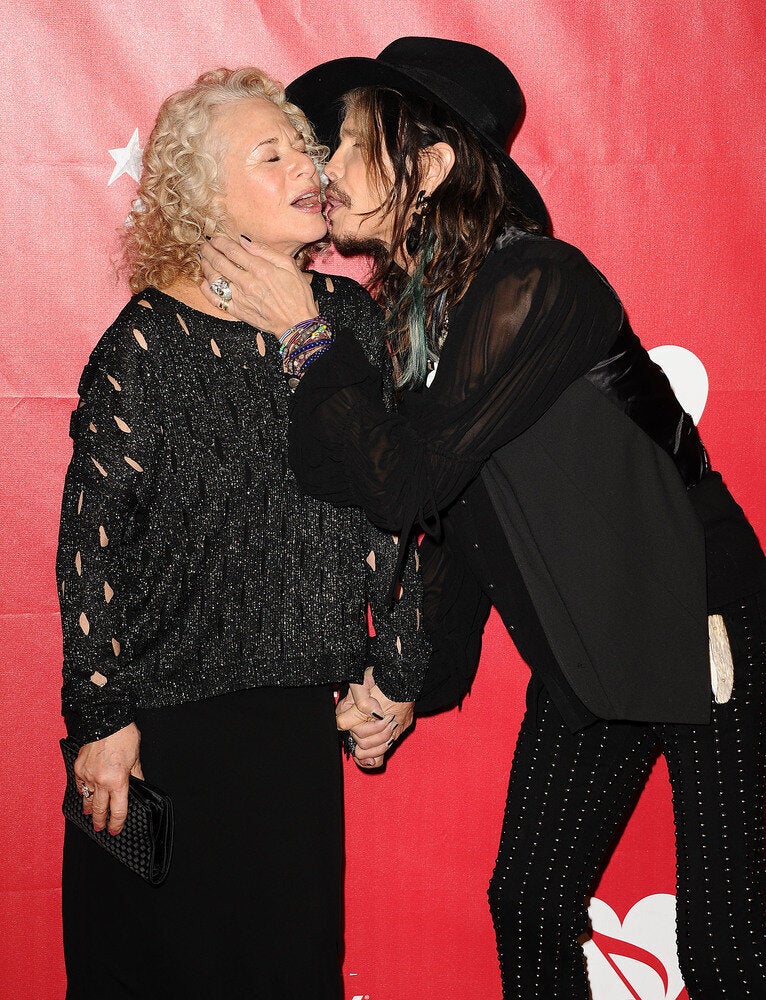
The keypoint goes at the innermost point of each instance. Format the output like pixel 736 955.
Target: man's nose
pixel 333 168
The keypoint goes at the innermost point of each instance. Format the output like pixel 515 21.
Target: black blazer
pixel 613 555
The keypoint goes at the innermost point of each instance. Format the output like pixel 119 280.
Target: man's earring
pixel 415 232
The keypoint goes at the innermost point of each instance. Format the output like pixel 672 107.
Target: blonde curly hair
pixel 176 203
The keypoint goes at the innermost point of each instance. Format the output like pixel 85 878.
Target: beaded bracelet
pixel 304 348
pixel 315 356
pixel 293 380
pixel 299 359
pixel 302 333
pixel 301 345
pixel 303 325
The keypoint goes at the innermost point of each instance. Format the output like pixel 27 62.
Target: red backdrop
pixel 644 132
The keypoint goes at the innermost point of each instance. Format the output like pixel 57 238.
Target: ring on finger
pixel 222 289
pixel 86 792
pixel 351 745
pixel 224 304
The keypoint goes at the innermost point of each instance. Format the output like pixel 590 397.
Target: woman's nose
pixel 304 165
pixel 305 162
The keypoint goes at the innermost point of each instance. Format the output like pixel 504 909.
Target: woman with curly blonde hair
pixel 209 610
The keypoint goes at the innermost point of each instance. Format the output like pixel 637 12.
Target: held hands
pixel 268 289
pixel 104 767
pixel 373 720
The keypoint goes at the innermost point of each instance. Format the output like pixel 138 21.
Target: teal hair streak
pixel 415 366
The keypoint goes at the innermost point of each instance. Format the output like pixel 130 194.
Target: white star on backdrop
pixel 127 160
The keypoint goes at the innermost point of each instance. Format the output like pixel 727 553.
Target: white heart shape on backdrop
pixel 687 377
pixel 635 959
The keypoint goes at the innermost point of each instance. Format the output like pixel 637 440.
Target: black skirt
pixel 252 905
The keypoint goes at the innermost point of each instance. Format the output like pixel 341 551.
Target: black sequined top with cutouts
pixel 189 563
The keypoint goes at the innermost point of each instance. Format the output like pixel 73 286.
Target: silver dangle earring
pixel 414 236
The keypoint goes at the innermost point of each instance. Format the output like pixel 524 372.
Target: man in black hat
pixel 557 477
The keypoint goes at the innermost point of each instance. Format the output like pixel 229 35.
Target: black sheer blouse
pixel 532 322
pixel 536 317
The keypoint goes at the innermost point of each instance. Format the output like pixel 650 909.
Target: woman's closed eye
pixel 298 147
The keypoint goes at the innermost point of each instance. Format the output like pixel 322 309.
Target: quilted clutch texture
pixel 145 842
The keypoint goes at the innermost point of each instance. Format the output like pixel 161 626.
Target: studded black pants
pixel 570 794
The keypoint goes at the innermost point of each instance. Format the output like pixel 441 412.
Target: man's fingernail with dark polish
pixel 243 237
pixel 376 716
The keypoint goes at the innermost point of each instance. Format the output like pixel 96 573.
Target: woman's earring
pixel 415 232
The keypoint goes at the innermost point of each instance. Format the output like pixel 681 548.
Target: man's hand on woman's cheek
pixel 268 289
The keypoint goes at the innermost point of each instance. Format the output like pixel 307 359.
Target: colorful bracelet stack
pixel 301 345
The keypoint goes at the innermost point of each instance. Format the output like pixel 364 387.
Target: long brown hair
pixel 466 213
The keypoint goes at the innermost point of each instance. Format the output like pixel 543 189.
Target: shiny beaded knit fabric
pixel 189 565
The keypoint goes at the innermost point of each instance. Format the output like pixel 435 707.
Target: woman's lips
pixel 309 202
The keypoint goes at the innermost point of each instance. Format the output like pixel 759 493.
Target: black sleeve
pixel 455 611
pixel 351 308
pixel 116 431
pixel 528 327
pixel 400 649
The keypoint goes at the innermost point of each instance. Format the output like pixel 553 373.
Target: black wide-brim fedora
pixel 465 79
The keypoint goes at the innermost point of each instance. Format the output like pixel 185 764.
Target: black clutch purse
pixel 145 842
